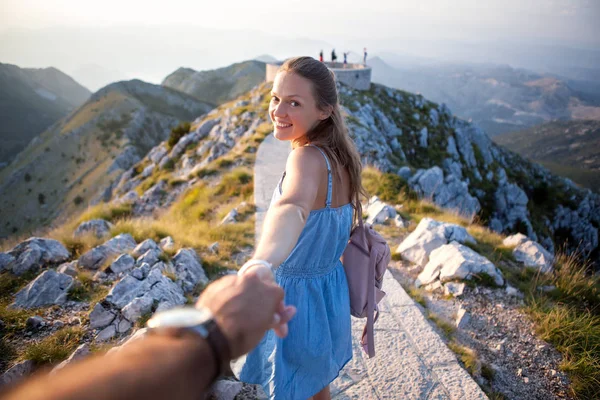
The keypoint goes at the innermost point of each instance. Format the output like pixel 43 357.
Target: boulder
pixel 122 264
pixel 454 261
pixel 530 253
pixel 34 253
pixel 143 247
pixel 17 372
pixel 99 227
pixel 6 262
pixel 35 322
pixel 157 286
pixel 106 334
pixel 378 211
pixel 150 257
pixel 428 236
pixel 188 269
pixel 137 307
pixel 462 318
pixel 49 288
pixel 69 268
pixel 167 243
pixel 230 218
pixel 515 240
pixel 96 257
pixel 454 288
pixel 101 317
pixel 80 353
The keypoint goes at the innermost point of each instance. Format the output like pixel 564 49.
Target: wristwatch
pixel 196 321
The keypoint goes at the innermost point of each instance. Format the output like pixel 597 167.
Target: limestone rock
pixel 230 218
pixel 17 372
pixel 34 253
pixel 143 247
pixel 6 262
pixel 124 263
pixel 94 258
pixel 68 269
pixel 530 253
pixel 188 269
pixel 80 353
pixel 137 307
pixel 35 322
pixel 379 212
pixel 167 243
pixel 454 261
pixel 150 257
pixel 448 192
pixel 428 236
pixel 50 287
pixel 99 227
pixel 462 318
pixel 455 289
pixel 101 317
pixel 106 334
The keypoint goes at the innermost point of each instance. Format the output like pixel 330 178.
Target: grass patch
pixel 576 335
pixel 467 356
pixel 446 327
pixel 55 348
pixel 141 322
pixel 85 289
pixel 416 294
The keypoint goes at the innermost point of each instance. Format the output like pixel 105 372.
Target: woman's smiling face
pixel 293 108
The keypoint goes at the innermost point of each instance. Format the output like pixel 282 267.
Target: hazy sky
pixel 568 21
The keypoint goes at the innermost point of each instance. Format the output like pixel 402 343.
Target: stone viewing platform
pixel 357 76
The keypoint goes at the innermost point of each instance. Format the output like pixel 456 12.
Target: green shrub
pixel 177 133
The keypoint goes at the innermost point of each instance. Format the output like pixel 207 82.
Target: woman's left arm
pixel 287 217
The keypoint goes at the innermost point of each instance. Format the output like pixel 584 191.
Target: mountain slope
pixel 220 85
pixel 498 98
pixel 567 148
pixel 439 157
pixel 30 101
pixel 63 169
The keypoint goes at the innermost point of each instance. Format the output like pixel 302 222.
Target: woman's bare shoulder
pixel 307 159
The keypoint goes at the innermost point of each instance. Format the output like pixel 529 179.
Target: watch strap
pixel 219 346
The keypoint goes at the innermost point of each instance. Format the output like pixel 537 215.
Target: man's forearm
pixel 157 367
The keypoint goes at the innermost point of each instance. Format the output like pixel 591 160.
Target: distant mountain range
pixel 63 169
pixel 30 101
pixel 219 85
pixel 567 148
pixel 498 98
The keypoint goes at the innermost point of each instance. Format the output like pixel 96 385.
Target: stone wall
pixel 357 76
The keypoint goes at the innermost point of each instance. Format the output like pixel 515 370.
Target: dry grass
pixel 55 348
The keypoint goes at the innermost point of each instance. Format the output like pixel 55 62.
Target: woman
pixel 305 232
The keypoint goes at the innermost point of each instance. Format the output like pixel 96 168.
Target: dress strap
pixel 329 181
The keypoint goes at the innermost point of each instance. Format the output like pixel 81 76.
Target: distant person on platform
pixel 345 59
pixel 365 56
pixel 321 56
pixel 333 56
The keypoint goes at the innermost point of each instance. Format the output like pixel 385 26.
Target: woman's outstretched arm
pixel 286 218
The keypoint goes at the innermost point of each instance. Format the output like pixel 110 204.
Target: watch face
pixel 180 317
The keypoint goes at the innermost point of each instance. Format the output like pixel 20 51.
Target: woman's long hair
pixel 330 134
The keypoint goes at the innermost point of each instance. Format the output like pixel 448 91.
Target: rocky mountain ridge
pixel 32 100
pixel 63 168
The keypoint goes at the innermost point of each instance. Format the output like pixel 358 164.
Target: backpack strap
pixel 371 318
pixel 329 180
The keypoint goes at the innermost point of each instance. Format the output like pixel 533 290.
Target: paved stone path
pixel 411 361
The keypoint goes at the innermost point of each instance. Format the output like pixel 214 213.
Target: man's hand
pixel 245 307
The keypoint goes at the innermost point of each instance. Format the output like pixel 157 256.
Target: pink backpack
pixel 365 260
